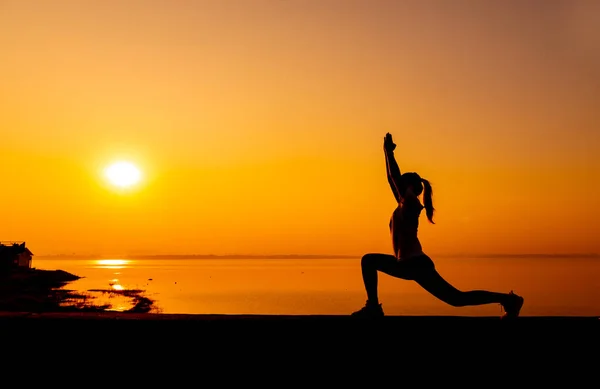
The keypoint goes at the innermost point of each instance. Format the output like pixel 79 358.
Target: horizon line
pixel 315 256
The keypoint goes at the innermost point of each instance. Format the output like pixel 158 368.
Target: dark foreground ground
pixel 322 350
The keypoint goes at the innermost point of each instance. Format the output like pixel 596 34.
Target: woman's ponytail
pixel 427 200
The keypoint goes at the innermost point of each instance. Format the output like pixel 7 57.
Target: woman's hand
pixel 388 143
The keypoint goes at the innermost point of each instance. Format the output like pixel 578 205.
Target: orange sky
pixel 258 125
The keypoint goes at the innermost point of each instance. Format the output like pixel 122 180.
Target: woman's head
pixel 413 181
pixel 419 185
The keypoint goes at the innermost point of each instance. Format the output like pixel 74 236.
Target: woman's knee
pixel 437 286
pixel 369 261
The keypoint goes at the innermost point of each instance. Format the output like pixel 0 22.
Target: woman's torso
pixel 404 225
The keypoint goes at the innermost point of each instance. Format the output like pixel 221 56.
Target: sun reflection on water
pixel 111 263
pixel 114 284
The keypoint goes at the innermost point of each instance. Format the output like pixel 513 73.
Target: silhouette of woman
pixel 409 262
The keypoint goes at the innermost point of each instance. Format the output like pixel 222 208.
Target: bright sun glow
pixel 123 174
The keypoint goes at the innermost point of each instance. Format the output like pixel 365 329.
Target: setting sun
pixel 123 174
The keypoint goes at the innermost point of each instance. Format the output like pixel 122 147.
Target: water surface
pixel 551 286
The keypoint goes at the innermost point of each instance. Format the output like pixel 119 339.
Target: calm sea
pixel 551 286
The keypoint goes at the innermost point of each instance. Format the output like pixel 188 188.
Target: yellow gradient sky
pixel 258 125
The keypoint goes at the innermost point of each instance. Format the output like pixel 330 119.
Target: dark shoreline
pixel 444 328
pixel 41 290
pixel 321 351
pixel 321 340
pixel 317 319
